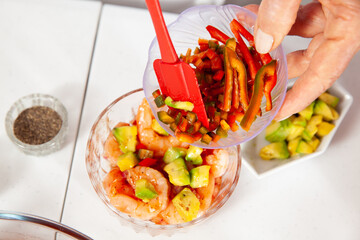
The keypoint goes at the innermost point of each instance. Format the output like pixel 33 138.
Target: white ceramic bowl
pixel 185 32
pixel 261 168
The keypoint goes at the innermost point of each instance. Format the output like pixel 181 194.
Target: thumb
pixel 275 19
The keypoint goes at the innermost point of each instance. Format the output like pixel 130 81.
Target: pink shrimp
pixel 135 207
pixel 218 161
pixel 111 147
pixel 168 216
pixel 205 194
pixel 147 136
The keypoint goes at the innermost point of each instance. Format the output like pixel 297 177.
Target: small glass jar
pixel 27 102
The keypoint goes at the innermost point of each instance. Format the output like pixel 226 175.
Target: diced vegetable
pixel 186 204
pixel 199 176
pixel 127 160
pixel 145 153
pixel 145 190
pixel 126 136
pixel 178 173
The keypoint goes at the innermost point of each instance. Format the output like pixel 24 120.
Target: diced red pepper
pixel 218 76
pixel 216 138
pixel 185 137
pixel 216 63
pixel 147 162
pixel 207 64
pixel 211 53
pixel 140 146
pixel 203 41
pixel 183 125
pixel 156 93
pixel 255 102
pixel 204 47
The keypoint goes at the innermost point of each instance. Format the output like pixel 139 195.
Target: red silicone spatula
pixel 176 78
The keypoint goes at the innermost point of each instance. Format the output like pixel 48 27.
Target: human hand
pixel 333 26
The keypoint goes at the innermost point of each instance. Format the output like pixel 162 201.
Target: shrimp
pixel 147 136
pixel 168 216
pixel 218 161
pixel 111 147
pixel 205 194
pixel 135 207
pixel 216 187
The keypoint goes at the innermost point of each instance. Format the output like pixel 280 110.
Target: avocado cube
pixel 308 111
pixel 145 190
pixel 324 128
pixel 173 153
pixel 329 99
pixel 186 204
pixel 184 105
pixel 275 150
pixel 292 146
pixel 321 108
pixel 304 148
pixel 127 160
pixel 193 155
pixel 157 128
pixel 126 137
pixel 178 173
pixel 300 120
pixel 277 131
pixel 199 176
pixel 295 131
pixel 314 143
pixel 311 127
pixel 335 114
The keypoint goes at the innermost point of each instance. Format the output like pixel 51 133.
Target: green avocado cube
pixel 311 128
pixel 157 128
pixel 127 160
pixel 173 153
pixel 308 111
pixel 329 99
pixel 294 132
pixel 275 150
pixel 292 146
pixel 278 131
pixel 193 155
pixel 324 128
pixel 178 173
pixel 321 108
pixel 300 120
pixel 186 204
pixel 145 190
pixel 304 148
pixel 199 176
pixel 187 106
pixel 126 136
pixel 314 143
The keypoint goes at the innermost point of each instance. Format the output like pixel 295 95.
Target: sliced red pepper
pixel 235 94
pixel 256 57
pixel 217 34
pixel 238 65
pixel 147 162
pixel 265 58
pixel 245 52
pixel 229 78
pixel 255 102
pixel 269 85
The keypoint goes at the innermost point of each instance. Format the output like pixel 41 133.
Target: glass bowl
pixel 124 109
pixel 16 225
pixel 37 100
pixel 185 32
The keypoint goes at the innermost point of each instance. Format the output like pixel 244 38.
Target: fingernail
pixel 263 41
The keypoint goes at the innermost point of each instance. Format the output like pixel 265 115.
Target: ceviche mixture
pixel 156 177
pixel 232 77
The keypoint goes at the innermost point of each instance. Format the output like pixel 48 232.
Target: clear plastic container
pixel 124 109
pixel 29 101
pixel 185 32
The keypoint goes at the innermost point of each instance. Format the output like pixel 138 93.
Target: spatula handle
pixel 167 50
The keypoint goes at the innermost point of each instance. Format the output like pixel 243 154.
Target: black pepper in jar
pixel 37 125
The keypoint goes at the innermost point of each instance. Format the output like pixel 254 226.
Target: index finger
pixel 275 19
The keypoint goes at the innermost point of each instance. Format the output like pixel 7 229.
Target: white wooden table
pixel 47 47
